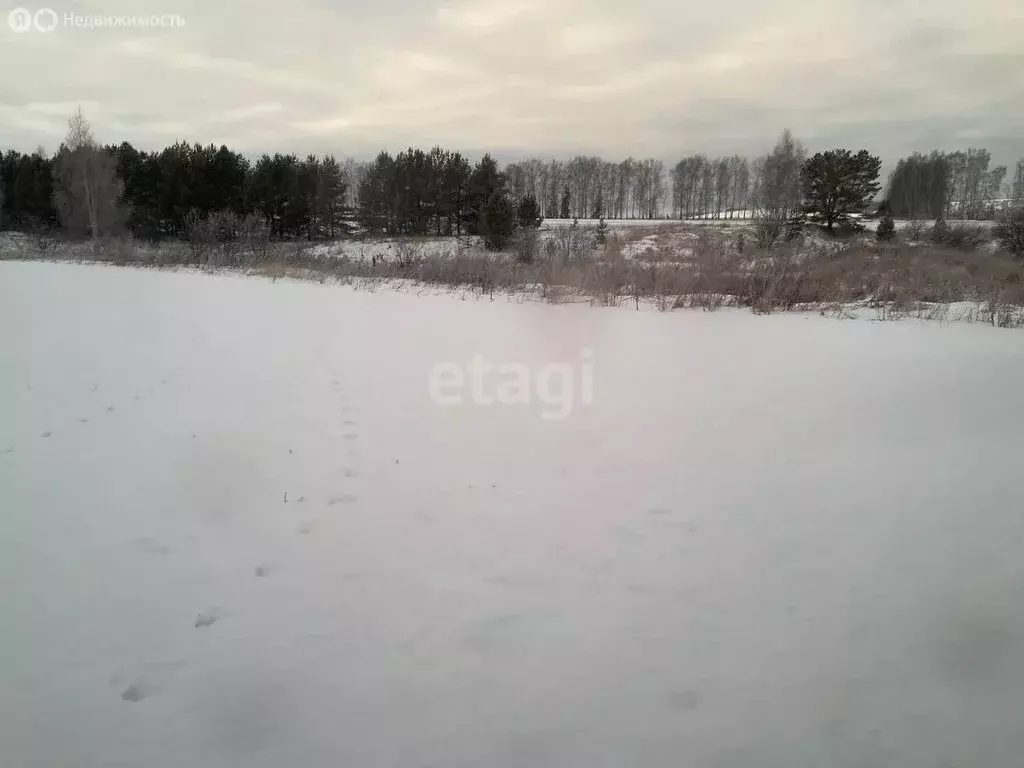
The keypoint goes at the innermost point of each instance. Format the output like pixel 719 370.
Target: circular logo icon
pixel 45 20
pixel 20 19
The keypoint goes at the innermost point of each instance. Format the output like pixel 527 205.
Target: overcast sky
pixel 549 77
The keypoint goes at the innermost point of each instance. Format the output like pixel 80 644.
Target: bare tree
pixel 87 191
pixel 975 182
pixel 740 170
pixel 993 192
pixel 723 183
pixel 778 187
pixel 1018 185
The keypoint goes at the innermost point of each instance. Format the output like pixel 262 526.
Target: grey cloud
pixel 648 78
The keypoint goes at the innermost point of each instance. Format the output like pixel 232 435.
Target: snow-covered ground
pixel 769 541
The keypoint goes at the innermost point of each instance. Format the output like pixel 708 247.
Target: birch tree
pixel 87 191
pixel 779 184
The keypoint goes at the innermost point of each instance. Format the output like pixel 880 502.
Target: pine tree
pixel 528 213
pixel 375 190
pixel 485 180
pixel 497 220
pixel 839 183
pixel 331 193
pixel 566 199
pixel 886 228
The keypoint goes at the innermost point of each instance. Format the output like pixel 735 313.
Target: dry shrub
pixel 406 252
pixel 526 245
pixel 767 230
pixel 694 270
pixel 965 236
pixel 915 230
pixel 118 250
pixel 1010 232
pixel 606 281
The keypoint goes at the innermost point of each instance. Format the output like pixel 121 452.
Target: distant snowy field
pixel 782 541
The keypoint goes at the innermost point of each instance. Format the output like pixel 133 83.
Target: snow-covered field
pixel 782 541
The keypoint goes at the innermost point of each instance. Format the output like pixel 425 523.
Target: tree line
pixel 93 190
pixel 954 185
pixel 589 187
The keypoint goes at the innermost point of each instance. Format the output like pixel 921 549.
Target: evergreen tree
pixel 332 193
pixel 497 220
pixel 566 200
pixel 886 227
pixel 839 183
pixel 455 182
pixel 138 172
pixel 276 192
pixel 375 195
pixel 484 182
pixel 26 188
pixel 528 214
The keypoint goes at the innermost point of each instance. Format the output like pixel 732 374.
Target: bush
pixel 571 244
pixel 964 236
pixel 886 228
pixel 526 245
pixel 1010 232
pixel 959 236
pixel 794 227
pixel 768 230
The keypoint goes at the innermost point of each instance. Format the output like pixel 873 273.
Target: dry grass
pixel 689 267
